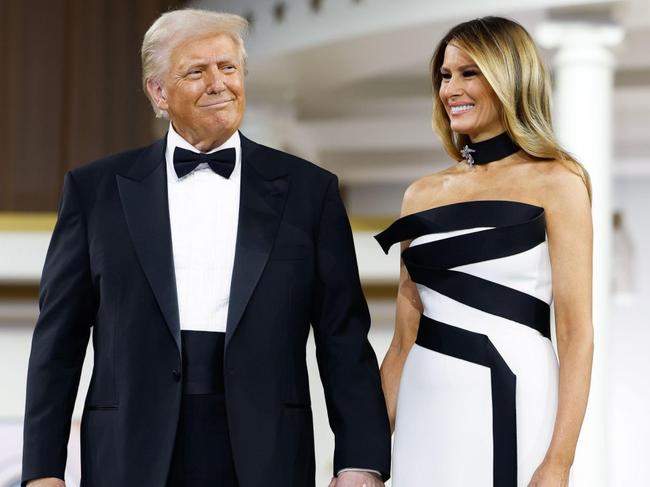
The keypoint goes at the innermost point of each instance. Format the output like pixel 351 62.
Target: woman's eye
pixel 446 76
pixel 469 73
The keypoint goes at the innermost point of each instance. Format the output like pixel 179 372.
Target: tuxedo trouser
pixel 202 454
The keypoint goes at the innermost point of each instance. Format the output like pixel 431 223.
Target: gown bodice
pixel 491 255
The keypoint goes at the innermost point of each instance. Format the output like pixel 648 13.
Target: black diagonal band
pixel 458 216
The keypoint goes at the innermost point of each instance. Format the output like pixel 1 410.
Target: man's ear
pixel 157 94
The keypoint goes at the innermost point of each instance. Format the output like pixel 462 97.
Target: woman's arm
pixel 407 319
pixel 569 227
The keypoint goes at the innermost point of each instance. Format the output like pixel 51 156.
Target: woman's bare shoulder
pixel 560 183
pixel 422 193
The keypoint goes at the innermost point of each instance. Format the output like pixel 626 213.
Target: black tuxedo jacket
pixel 110 268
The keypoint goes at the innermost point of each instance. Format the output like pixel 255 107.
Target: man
pixel 200 261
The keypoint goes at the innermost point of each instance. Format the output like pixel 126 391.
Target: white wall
pixel 16 324
pixel 629 357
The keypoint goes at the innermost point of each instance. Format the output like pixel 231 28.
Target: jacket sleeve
pixel 346 360
pixel 67 308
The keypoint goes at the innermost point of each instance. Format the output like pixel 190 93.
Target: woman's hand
pixel 46 482
pixel 550 475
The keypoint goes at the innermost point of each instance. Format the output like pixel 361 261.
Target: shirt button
pixel 176 375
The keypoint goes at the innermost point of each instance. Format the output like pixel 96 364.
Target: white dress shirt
pixel 203 214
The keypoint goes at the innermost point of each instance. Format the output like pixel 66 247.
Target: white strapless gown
pixel 478 393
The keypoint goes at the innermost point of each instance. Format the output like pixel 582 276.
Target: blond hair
pixel 173 28
pixel 507 57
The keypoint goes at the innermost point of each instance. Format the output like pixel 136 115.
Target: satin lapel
pixel 263 195
pixel 144 200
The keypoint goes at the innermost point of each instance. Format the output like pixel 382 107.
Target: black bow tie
pixel 222 162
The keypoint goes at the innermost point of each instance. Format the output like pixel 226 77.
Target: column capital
pixel 557 34
pixel 580 40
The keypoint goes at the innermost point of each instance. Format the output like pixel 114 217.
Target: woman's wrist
pixel 559 460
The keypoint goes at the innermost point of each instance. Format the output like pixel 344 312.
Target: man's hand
pixel 46 482
pixel 356 479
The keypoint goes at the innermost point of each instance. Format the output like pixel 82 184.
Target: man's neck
pixel 202 142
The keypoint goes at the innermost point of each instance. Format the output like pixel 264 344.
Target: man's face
pixel 203 92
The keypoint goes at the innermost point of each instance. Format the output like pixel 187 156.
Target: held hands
pixel 550 475
pixel 356 479
pixel 46 482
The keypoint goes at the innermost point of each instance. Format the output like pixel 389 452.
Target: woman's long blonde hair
pixel 508 58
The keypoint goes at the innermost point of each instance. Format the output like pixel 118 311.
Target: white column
pixel 265 124
pixel 276 125
pixel 583 68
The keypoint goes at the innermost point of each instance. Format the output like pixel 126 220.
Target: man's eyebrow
pixel 197 62
pixel 191 63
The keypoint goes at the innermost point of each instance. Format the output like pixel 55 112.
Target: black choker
pixel 489 150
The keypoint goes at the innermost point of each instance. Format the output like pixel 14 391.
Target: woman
pixel 486 245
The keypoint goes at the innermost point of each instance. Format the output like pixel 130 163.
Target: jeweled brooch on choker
pixel 466 153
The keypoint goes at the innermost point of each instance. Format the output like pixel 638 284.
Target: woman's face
pixel 471 104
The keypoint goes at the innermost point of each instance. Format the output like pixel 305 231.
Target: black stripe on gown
pixel 477 348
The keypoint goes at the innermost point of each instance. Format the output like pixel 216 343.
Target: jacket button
pixel 176 375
